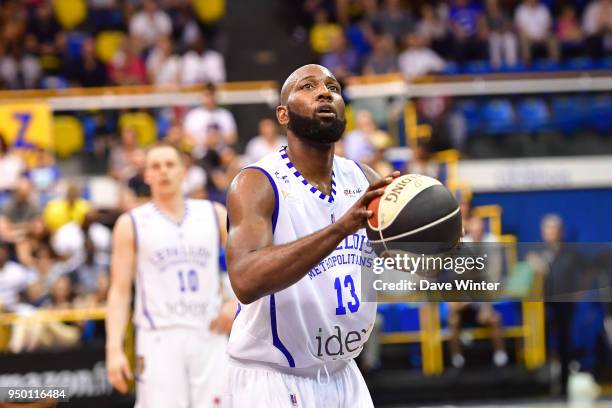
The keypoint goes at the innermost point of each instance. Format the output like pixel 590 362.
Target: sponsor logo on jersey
pixel 337 344
pixel 186 308
pixel 352 192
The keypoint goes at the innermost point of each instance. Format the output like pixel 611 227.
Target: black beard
pixel 314 130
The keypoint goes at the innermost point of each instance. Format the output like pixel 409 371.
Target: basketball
pixel 417 214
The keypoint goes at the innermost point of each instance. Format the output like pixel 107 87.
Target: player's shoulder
pixel 350 167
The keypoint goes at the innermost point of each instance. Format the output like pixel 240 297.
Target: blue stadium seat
pixel 477 67
pixel 568 113
pixel 469 110
pixel 600 113
pixel 532 115
pixel 576 64
pixel 74 42
pixel 53 82
pixel 89 128
pixel 515 68
pixel 497 116
pixel 451 68
pixel 163 124
pixel 605 63
pixel 399 317
pixel 510 312
pixel 545 65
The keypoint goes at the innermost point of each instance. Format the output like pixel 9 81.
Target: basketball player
pixel 294 250
pixel 170 246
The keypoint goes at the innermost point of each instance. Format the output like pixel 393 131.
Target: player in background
pixel 294 257
pixel 170 247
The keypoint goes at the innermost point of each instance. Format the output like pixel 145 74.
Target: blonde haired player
pixel 170 247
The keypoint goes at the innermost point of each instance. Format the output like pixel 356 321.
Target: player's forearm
pixel 274 268
pixel 117 314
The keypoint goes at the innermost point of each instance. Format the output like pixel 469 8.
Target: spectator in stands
pixel 534 23
pixel 48 335
pixel 122 163
pixel 163 66
pixel 44 174
pixel 195 179
pixel 150 24
pixel 559 263
pixel 14 278
pixel 11 166
pixel 569 33
pixel 466 23
pixel 201 64
pixel 433 28
pixel 230 166
pixel 502 40
pixel 322 32
pixel 61 211
pixel 176 137
pixel 198 120
pixel 597 26
pixel 479 313
pixel 136 191
pixel 20 216
pixel 89 272
pixel 45 36
pixel 394 20
pixel 89 70
pixel 269 140
pixel 359 144
pixel 421 160
pixel 127 66
pixel 418 59
pixel 383 59
pixel 18 69
pixel 341 59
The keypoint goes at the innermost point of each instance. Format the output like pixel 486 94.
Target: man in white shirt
pixel 267 142
pixel 418 59
pixel 534 24
pixel 597 25
pixel 150 24
pixel 14 278
pixel 198 121
pixel 201 64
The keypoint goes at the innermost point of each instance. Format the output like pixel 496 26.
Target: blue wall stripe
pixel 275 339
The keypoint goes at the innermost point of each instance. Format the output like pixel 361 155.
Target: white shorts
pixel 179 368
pixel 262 387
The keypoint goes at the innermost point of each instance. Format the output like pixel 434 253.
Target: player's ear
pixel 282 114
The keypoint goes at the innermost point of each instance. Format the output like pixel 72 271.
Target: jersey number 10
pixel 353 305
pixel 188 280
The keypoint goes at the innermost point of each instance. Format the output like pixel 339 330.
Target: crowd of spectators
pixel 114 42
pixel 355 37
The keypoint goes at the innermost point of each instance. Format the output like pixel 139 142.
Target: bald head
pixel 296 75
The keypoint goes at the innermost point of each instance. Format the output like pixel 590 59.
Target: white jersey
pixel 177 277
pixel 321 317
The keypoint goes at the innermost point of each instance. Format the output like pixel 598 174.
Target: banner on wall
pixel 27 125
pixel 559 173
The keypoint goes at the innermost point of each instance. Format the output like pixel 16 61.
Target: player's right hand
pixel 355 218
pixel 118 370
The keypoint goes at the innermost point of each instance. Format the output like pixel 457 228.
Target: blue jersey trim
pixel 145 311
pixel 238 309
pixel 275 339
pixel 276 200
pixel 360 168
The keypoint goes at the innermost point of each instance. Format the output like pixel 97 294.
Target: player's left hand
pixel 223 322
